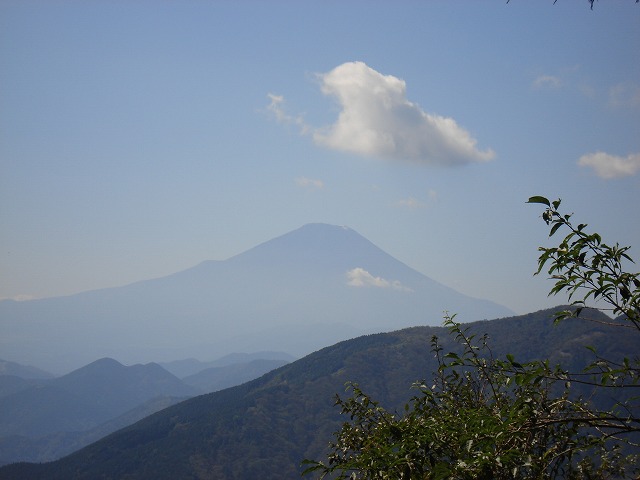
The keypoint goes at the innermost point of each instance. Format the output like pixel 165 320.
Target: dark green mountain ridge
pixel 264 428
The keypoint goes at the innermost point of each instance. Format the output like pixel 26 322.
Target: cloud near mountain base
pixel 359 277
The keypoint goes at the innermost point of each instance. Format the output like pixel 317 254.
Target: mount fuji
pixel 298 292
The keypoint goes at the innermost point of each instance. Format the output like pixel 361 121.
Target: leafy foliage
pixel 483 417
pixel 585 267
pixel 479 418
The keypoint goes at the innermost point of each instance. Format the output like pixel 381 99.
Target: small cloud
pixel 309 183
pixel 611 166
pixel 19 298
pixel 568 79
pixel 359 277
pixel 625 95
pixel 547 81
pixel 410 203
pixel 621 95
pixel 376 119
pixel 276 107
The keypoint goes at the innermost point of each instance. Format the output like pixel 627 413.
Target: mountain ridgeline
pixel 22 371
pixel 296 293
pixel 45 419
pixel 264 428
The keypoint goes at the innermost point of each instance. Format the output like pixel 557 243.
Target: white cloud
pixel 20 298
pixel 621 95
pixel 359 277
pixel 310 183
pixel 568 78
pixel 624 95
pixel 410 202
pixel 413 203
pixel 547 81
pixel 611 166
pixel 376 119
pixel 276 107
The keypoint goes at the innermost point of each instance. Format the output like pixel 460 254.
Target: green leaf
pixel 555 228
pixel 539 199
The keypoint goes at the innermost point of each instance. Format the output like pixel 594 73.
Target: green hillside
pixel 264 428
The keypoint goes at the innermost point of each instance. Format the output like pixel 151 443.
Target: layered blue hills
pixel 297 293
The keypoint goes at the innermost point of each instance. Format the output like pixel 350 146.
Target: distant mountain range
pixel 218 378
pixel 22 371
pixel 296 293
pixel 44 419
pixel 264 428
pixel 78 402
pixel 191 366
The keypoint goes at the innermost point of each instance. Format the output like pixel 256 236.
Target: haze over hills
pixel 218 378
pixel 46 448
pixel 191 366
pixel 296 293
pixel 264 428
pixel 44 419
pixel 86 397
pixel 22 371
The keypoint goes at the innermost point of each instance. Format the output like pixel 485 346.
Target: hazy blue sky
pixel 140 138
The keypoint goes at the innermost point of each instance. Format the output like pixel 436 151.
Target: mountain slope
pixel 10 384
pixel 296 293
pixel 262 429
pixel 20 448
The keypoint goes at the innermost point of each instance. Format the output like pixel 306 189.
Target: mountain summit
pixel 296 293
